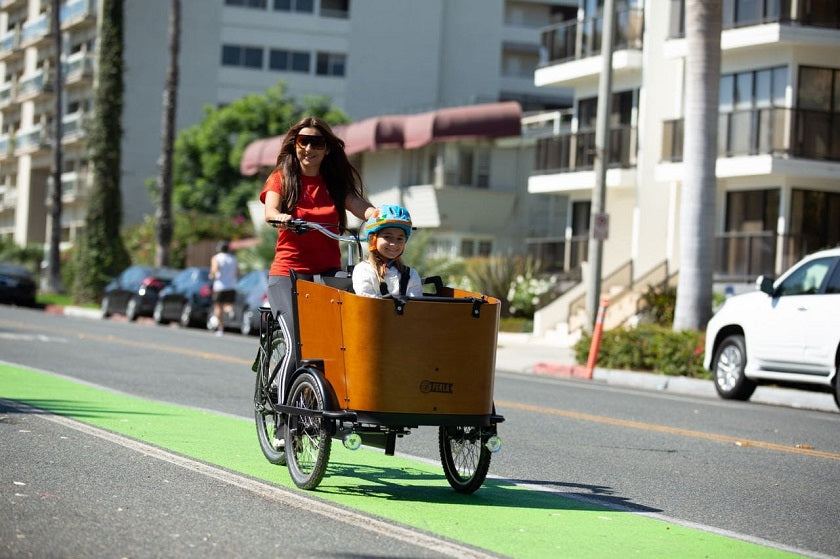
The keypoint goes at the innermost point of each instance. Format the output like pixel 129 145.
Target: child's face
pixel 390 242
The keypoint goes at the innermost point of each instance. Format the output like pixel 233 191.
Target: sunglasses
pixel 315 142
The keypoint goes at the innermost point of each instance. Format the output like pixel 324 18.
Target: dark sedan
pixel 251 294
pixel 17 285
pixel 188 299
pixel 135 291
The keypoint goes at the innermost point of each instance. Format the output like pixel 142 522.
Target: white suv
pixel 788 332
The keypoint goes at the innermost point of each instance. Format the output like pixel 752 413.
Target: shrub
pixel 659 303
pixel 649 348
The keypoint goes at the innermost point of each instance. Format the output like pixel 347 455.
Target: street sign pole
pixel 602 129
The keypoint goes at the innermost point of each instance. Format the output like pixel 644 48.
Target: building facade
pixel 370 57
pixel 778 167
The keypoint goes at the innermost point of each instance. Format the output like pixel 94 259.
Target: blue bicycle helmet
pixel 389 216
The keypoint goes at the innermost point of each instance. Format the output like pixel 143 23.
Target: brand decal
pixel 427 386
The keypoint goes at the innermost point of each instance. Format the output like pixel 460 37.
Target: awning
pixel 485 121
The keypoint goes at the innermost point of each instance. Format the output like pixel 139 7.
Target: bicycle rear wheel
pixel 270 425
pixel 307 438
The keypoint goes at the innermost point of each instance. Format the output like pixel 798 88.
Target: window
pixel 621 110
pixel 833 285
pixel 807 279
pixel 289 61
pixel 818 117
pixel 249 57
pixel 330 64
pixel 304 6
pixel 815 218
pixel 335 8
pixel 752 211
pixel 259 4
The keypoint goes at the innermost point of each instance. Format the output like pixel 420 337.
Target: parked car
pixel 17 285
pixel 251 294
pixel 135 291
pixel 787 332
pixel 188 299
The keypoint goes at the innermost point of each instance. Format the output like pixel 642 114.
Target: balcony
pixel 574 44
pixel 570 152
pixel 8 198
pixel 35 30
pixel 74 185
pixel 780 132
pixel 742 257
pixel 31 140
pixel 7 145
pixel 76 13
pixel 8 92
pixel 10 45
pixel 33 86
pixel 73 127
pixel 738 14
pixel 78 68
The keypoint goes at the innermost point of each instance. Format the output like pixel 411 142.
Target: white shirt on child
pixel 365 281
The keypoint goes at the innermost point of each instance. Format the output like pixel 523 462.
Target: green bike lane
pixel 501 517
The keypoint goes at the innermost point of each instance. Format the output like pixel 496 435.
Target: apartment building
pixel 371 57
pixel 778 167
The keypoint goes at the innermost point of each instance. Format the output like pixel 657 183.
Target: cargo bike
pixel 369 370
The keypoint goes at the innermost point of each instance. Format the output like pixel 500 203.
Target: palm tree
pixel 697 206
pixel 53 282
pixel 163 214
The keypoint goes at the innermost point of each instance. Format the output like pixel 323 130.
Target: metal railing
pixel 775 131
pixel 745 256
pixel 741 13
pixel 570 40
pixel 575 151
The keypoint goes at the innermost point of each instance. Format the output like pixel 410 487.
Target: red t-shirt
pixel 312 252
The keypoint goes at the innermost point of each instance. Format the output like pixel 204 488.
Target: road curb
pixel 774 395
pixel 73 311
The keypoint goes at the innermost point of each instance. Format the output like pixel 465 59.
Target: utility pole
pixel 598 219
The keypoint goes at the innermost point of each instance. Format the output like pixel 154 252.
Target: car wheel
pixel 728 369
pixel 186 315
pixel 157 314
pixel 131 309
pixel 106 307
pixel 837 384
pixel 247 317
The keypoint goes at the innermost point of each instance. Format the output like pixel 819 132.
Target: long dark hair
pixel 339 174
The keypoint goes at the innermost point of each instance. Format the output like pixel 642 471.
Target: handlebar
pixel 300 226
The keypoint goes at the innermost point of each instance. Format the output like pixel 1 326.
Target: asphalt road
pixel 761 473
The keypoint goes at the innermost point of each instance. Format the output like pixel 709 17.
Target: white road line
pixel 281 495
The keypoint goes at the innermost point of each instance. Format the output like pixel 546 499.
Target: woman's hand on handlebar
pixel 280 221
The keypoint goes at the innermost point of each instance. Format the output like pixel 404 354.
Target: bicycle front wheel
pixel 464 456
pixel 308 440
pixel 270 425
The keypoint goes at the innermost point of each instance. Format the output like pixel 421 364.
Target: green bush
pixel 649 348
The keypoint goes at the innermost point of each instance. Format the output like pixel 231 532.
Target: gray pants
pixel 280 299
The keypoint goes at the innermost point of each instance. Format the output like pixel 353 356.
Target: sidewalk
pixel 521 353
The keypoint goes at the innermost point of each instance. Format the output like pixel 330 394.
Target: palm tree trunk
pixel 164 209
pixel 699 189
pixel 53 283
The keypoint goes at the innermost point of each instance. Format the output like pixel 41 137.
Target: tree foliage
pixel 207 155
pixel 101 253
